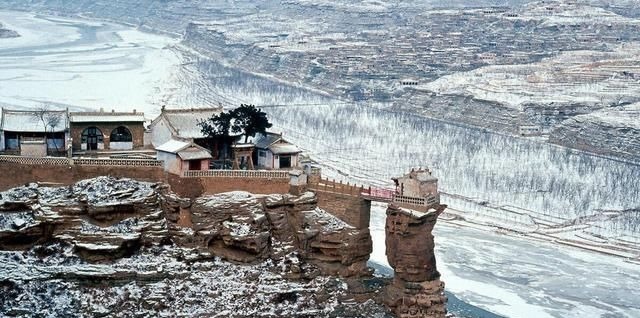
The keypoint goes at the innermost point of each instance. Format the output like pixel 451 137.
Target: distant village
pixel 174 138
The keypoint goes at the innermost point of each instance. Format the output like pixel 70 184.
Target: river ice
pixel 89 64
pixel 83 64
pixel 517 277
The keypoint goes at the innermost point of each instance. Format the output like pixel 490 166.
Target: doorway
pixel 285 162
pixel 92 138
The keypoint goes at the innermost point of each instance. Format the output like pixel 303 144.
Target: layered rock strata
pixel 416 290
pixel 107 218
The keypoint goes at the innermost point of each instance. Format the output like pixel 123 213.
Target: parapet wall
pixel 353 210
pixel 59 171
pixel 16 174
pixel 196 186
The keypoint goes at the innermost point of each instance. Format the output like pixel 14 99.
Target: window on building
pixel 121 134
pixel 262 153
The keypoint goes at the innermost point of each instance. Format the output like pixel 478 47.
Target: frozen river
pixel 514 277
pixel 83 64
pixel 88 64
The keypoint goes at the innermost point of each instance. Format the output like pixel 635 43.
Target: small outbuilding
pixel 34 133
pixel 180 156
pixel 418 183
pixel 273 152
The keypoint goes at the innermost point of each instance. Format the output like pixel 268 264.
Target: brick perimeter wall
pixel 15 174
pixel 212 185
pixel 353 210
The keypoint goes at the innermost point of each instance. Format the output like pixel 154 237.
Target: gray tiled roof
pixel 26 121
pixel 264 141
pixel 185 122
pixel 86 117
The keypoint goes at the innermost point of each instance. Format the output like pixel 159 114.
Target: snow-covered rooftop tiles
pixel 173 146
pixel 29 121
pixel 185 121
pixel 88 117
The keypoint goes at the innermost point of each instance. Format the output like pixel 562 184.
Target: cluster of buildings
pixel 368 54
pixel 173 137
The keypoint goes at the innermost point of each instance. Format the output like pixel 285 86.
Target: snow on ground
pixel 567 12
pixel 49 281
pixel 84 65
pixel 619 117
pixel 575 77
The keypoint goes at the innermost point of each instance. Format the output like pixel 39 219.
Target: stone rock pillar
pixel 416 291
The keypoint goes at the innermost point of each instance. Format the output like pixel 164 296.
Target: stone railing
pixel 34 160
pixel 258 174
pixel 118 162
pixel 409 200
pixel 85 162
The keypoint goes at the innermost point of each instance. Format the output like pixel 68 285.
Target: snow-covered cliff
pixel 117 247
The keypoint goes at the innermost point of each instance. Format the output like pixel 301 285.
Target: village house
pixel 181 124
pixel 273 152
pixel 34 133
pixel 180 156
pixel 107 130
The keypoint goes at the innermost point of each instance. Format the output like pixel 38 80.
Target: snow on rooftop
pixel 185 122
pixel 28 121
pixel 173 146
pixel 106 117
pixel 264 141
pixel 194 153
pixel 284 148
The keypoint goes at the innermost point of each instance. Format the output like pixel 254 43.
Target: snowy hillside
pixel 612 130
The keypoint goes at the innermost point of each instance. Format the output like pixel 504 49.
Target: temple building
pixel 92 131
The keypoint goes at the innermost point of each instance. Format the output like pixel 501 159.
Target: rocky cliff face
pixel 416 291
pixel 112 247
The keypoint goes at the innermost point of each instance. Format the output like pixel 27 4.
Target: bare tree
pixel 50 120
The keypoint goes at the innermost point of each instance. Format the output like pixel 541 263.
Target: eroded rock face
pixel 416 290
pixel 247 228
pixel 107 219
pixel 103 218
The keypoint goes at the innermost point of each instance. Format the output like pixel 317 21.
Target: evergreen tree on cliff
pixel 250 120
pixel 246 119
